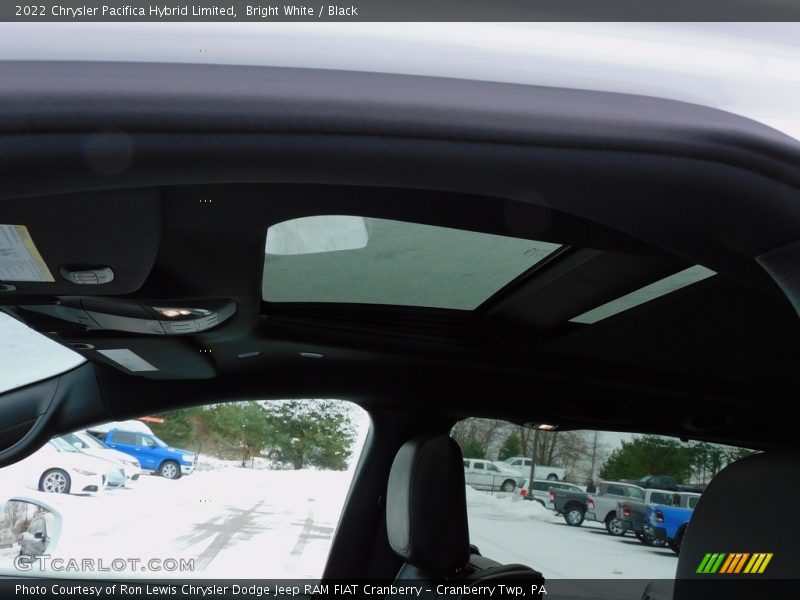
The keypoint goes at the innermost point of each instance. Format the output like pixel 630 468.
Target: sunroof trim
pixel 657 289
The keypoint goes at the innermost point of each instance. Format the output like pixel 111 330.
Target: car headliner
pixel 171 175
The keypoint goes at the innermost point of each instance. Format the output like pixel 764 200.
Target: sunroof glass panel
pixel 662 287
pixel 362 260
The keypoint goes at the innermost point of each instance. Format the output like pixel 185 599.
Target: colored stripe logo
pixel 734 563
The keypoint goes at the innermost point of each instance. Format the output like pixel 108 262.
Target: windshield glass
pixel 27 356
pixel 90 440
pixel 335 258
pixel 62 445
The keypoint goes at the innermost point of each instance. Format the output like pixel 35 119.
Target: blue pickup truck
pixel 666 525
pixel 153 454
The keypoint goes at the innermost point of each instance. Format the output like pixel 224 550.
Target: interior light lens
pixel 176 313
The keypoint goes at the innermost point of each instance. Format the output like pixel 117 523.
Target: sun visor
pixel 94 243
pixel 151 358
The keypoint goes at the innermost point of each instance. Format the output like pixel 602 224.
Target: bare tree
pixel 480 431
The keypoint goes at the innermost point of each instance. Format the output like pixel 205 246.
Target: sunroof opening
pixel 363 260
pixel 659 288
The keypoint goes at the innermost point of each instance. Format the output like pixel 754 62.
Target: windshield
pixel 90 440
pixel 62 445
pixel 27 356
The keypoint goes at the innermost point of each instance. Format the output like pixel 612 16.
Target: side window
pixel 145 441
pixel 124 437
pixel 615 490
pixel 693 500
pixel 635 493
pixel 516 462
pixel 658 498
pixel 478 466
pixel 256 481
pixel 466 464
pixel 503 523
pixel 491 467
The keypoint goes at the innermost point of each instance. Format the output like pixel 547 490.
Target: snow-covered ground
pixel 266 523
pixel 234 522
pixel 515 531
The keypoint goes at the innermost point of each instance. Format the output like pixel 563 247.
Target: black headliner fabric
pixel 691 184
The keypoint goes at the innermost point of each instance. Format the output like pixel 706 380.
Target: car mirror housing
pixel 35 524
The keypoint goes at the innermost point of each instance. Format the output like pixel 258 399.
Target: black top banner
pixel 402 10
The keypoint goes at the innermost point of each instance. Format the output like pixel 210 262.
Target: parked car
pixel 57 467
pixel 89 444
pixel 539 471
pixel 152 453
pixel 6 538
pixel 667 525
pixel 631 513
pixel 663 482
pixel 570 504
pixel 602 505
pixel 539 491
pixel 485 475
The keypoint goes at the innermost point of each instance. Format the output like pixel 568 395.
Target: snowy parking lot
pixel 512 531
pixel 244 523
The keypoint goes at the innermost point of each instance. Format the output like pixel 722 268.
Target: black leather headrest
pixel 426 506
pixel 747 508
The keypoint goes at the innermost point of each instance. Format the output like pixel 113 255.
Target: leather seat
pixel 746 509
pixel 426 519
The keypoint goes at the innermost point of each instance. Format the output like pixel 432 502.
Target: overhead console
pixel 89 243
pixel 134 316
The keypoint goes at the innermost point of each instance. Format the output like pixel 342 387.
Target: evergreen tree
pixel 243 423
pixel 511 447
pixel 178 428
pixel 311 433
pixel 472 448
pixel 649 455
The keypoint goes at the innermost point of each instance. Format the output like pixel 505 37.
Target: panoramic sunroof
pixel 659 288
pixel 349 259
